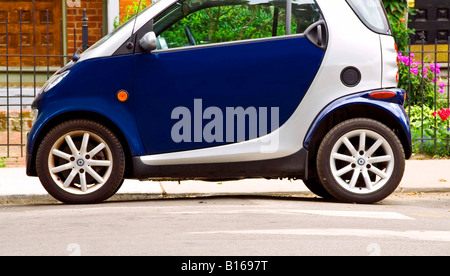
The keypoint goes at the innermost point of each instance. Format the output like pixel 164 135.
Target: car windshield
pixel 116 30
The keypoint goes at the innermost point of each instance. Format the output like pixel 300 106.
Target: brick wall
pixel 94 11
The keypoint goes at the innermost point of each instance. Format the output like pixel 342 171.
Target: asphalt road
pixel 403 224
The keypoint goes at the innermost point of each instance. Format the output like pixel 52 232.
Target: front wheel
pixel 360 160
pixel 80 161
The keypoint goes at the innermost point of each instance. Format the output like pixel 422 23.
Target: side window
pixel 195 22
pixel 304 14
pixel 372 14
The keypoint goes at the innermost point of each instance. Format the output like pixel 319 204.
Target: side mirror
pixel 148 41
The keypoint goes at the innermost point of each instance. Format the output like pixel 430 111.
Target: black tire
pixel 360 160
pixel 316 187
pixel 80 162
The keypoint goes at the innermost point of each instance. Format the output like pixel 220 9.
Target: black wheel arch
pixel 31 167
pixel 351 112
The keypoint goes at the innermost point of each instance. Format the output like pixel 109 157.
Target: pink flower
pixel 435 68
pixel 432 67
pixel 405 59
pixel 441 87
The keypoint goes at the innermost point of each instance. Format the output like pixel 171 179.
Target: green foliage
pixel 225 23
pixel 421 80
pixel 130 10
pixel 397 10
pixel 429 132
pixel 2 162
pixel 434 131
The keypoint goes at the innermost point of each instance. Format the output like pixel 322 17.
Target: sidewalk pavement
pixel 17 188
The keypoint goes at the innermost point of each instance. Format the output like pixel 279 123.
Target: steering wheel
pixel 190 36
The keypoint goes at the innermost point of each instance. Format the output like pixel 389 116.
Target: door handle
pixel 317 34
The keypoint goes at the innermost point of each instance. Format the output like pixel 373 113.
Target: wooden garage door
pixel 30 27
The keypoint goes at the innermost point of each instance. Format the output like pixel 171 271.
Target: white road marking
pixel 334 213
pixel 443 236
pixel 355 214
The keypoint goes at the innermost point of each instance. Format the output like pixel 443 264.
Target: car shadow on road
pixel 201 198
pixel 395 199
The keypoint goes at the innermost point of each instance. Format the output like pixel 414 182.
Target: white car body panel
pixel 390 67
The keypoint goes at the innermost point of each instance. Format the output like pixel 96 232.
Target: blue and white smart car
pixel 228 89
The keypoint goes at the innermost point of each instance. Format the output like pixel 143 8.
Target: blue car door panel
pixel 268 76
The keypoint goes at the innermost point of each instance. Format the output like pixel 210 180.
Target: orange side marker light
pixel 122 95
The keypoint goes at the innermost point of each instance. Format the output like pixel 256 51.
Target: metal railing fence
pixel 424 74
pixel 24 68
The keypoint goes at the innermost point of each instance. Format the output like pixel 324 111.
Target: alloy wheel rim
pixel 80 162
pixel 362 161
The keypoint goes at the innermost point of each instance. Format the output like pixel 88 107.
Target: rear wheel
pixel 80 161
pixel 361 161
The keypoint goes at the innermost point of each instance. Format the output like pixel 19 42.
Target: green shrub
pixel 397 10
pixel 422 81
pixel 429 130
pixel 130 10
